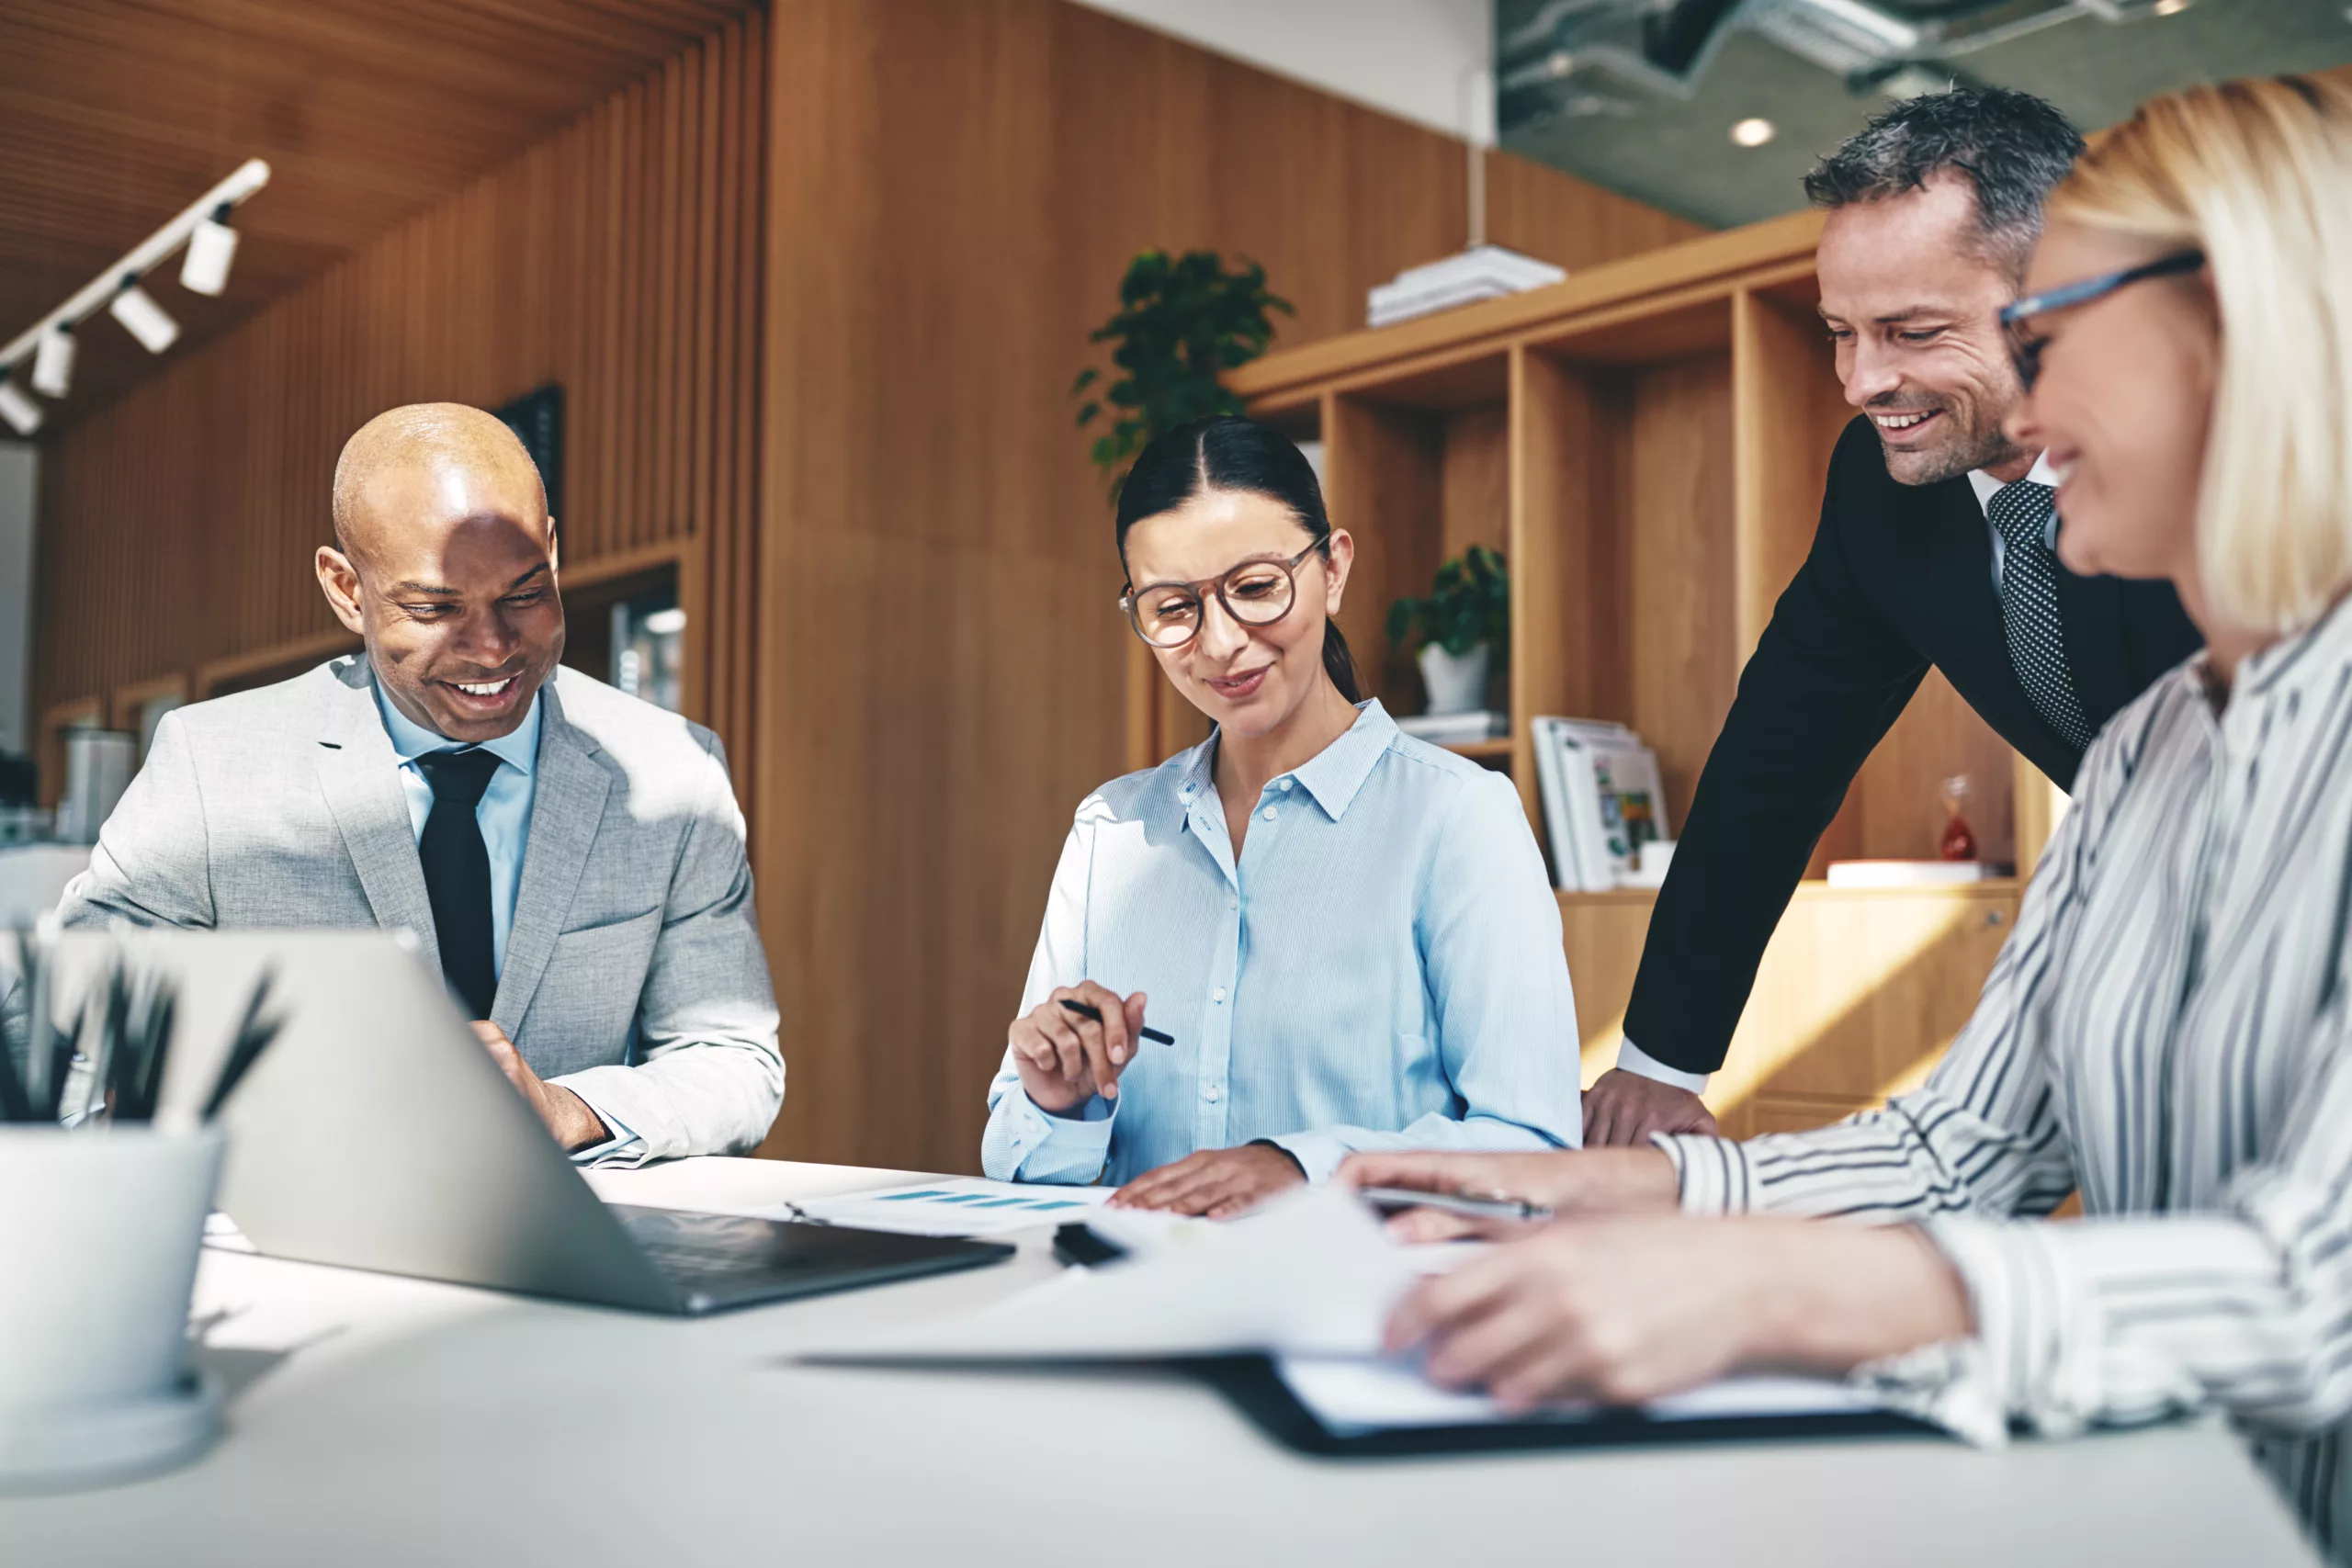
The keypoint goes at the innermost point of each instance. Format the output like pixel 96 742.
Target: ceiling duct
pixel 1587 57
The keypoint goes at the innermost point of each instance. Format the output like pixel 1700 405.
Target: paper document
pixel 954 1206
pixel 1353 1395
pixel 1312 1273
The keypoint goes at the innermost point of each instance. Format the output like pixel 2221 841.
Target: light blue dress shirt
pixel 504 815
pixel 1383 968
pixel 504 812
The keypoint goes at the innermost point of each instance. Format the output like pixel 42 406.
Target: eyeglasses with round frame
pixel 2025 349
pixel 1167 616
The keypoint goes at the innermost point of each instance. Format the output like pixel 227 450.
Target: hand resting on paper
pixel 1219 1183
pixel 1566 1181
pixel 1066 1059
pixel 1628 1309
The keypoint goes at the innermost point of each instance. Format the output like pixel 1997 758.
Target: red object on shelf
pixel 1958 842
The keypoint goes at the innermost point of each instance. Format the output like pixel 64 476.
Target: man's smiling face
pixel 447 568
pixel 1911 295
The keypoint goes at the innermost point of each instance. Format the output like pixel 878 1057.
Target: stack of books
pixel 1483 272
pixel 1601 801
pixel 1456 728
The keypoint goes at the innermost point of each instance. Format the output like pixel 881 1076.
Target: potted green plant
pixel 1181 325
pixel 1468 613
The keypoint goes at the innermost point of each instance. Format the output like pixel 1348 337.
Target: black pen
pixel 1087 1009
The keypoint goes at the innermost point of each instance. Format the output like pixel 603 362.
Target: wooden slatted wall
pixel 620 256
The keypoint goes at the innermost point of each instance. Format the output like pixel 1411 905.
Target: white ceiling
pixel 1427 61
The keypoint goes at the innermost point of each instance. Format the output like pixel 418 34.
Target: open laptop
pixel 376 1133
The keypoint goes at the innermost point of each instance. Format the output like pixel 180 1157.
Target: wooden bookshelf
pixel 1646 443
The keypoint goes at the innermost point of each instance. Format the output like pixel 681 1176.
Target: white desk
pixel 387 1421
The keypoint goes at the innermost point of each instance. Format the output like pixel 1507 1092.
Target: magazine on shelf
pixel 1602 800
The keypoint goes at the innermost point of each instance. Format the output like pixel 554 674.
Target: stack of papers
pixel 1309 1282
pixel 1483 272
pixel 1602 801
pixel 1311 1273
pixel 954 1206
pixel 1907 872
pixel 1456 729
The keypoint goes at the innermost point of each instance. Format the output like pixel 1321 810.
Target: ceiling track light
pixel 211 246
pixel 143 317
pixel 202 227
pixel 17 407
pixel 53 362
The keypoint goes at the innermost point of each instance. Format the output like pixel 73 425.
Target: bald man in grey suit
pixel 571 858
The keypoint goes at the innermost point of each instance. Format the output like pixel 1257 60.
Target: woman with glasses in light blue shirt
pixel 1310 934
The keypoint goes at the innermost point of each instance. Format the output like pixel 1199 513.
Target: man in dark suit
pixel 1935 547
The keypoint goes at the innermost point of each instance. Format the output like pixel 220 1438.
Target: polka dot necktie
pixel 2021 513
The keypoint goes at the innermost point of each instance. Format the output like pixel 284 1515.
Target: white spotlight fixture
pixel 47 345
pixel 1754 132
pixel 2171 8
pixel 53 362
pixel 211 246
pixel 143 317
pixel 18 409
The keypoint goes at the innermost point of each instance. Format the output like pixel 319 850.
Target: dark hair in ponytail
pixel 1232 453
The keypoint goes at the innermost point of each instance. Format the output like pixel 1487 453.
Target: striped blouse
pixel 2166 1032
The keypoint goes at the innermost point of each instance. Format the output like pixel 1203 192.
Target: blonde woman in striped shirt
pixel 2169 1030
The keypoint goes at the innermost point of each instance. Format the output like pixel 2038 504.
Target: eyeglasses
pixel 2025 350
pixel 1255 593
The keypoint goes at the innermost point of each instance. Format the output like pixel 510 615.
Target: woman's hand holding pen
pixel 1067 1057
pixel 1565 1181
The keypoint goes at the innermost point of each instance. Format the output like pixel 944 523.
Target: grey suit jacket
pixel 634 972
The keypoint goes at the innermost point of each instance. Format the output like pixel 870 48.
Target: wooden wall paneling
pixel 1678 624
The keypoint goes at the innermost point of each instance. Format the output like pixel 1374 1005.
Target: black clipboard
pixel 1258 1391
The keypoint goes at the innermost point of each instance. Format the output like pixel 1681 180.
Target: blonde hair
pixel 2257 175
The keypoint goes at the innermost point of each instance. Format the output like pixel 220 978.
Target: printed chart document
pixel 959 1205
pixel 1311 1273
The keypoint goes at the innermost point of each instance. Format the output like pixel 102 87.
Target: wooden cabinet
pixel 1646 443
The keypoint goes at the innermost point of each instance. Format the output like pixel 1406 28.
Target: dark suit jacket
pixel 1899 577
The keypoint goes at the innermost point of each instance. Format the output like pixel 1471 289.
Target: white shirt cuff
pixel 1632 1058
pixel 624 1147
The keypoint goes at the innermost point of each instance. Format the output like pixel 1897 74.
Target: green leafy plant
pixel 1469 603
pixel 1181 323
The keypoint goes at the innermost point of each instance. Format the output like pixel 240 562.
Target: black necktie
pixel 2022 511
pixel 457 874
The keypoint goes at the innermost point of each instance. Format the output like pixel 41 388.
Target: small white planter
pixel 1456 682
pixel 99 1232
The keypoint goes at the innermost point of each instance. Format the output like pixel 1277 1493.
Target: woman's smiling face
pixel 1246 679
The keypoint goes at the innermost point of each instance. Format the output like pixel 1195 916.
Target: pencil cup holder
pixel 99 1233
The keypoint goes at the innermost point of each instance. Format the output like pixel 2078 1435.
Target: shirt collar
pixel 518 748
pixel 1333 776
pixel 1987 487
pixel 2321 648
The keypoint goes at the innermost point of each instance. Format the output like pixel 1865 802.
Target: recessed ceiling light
pixel 1752 132
pixel 2171 8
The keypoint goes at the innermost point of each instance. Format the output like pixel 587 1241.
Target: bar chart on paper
pixel 954 1206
